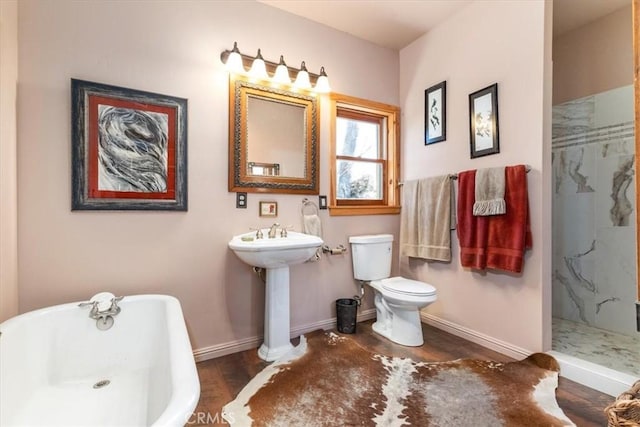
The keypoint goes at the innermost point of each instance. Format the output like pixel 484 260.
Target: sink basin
pixel 275 255
pixel 296 248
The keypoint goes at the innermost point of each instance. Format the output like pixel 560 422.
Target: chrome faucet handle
pixel 94 307
pixel 258 231
pixel 93 304
pixel 115 309
pixel 283 230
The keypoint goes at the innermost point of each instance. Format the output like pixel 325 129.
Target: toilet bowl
pixel 398 300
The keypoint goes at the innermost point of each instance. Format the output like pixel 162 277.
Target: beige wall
pixel 509 48
pixel 8 160
pixel 174 48
pixel 603 47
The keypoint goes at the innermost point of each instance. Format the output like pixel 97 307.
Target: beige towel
pixel 490 184
pixel 425 220
pixel 311 225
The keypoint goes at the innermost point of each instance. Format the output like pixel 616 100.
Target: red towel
pixel 471 230
pixel 509 235
pixel 499 241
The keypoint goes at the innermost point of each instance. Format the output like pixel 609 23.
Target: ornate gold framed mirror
pixel 273 139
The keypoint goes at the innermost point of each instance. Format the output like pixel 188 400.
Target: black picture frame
pixel 435 113
pixel 129 149
pixel 483 122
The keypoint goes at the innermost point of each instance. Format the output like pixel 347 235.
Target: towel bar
pixel 455 175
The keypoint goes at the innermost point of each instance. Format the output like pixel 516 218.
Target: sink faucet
pixel 272 230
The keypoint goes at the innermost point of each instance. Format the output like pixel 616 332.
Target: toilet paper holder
pixel 338 250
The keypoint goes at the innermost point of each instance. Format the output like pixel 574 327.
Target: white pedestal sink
pixel 275 255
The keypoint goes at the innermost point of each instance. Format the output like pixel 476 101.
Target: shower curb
pixel 592 375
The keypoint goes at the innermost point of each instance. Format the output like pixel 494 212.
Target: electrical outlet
pixel 322 202
pixel 241 200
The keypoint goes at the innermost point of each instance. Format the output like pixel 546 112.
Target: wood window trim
pixel 342 106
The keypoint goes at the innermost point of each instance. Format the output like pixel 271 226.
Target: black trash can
pixel 346 310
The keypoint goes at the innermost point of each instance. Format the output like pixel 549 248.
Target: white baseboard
pixel 223 349
pixel 367 314
pixel 236 346
pixel 597 377
pixel 476 337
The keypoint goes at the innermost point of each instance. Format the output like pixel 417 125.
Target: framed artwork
pixel 435 113
pixel 129 149
pixel 268 208
pixel 483 121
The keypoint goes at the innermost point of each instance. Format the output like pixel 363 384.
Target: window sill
pixel 363 210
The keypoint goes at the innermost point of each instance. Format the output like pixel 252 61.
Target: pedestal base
pixel 276 315
pixel 269 354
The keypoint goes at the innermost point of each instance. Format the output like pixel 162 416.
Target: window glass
pixel 359 180
pixel 357 138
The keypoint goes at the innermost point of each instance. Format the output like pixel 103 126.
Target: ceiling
pixel 571 14
pixel 397 23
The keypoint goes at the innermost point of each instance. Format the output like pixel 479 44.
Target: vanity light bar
pixel 241 63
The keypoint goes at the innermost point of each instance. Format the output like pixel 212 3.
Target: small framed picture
pixel 435 113
pixel 268 208
pixel 483 121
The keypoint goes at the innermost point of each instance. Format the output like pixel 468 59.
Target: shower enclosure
pixel 594 230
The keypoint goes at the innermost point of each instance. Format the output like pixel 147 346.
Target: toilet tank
pixel 371 256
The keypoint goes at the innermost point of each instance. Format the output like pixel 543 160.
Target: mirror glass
pixel 273 139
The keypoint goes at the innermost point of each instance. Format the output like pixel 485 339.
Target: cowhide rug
pixel 329 380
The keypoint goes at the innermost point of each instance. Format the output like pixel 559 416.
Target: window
pixel 365 157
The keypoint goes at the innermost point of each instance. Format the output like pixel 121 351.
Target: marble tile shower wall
pixel 594 250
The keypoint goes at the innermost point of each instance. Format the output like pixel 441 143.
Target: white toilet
pixel 398 300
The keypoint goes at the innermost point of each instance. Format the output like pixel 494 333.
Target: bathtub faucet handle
pixel 93 313
pixel 93 304
pixel 87 303
pixel 114 309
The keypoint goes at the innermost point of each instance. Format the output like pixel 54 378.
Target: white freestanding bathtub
pixel 55 362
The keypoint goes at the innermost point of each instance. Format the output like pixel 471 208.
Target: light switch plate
pixel 241 200
pixel 322 202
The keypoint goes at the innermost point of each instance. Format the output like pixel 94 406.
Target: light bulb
pixel 322 84
pixel 258 68
pixel 282 73
pixel 302 80
pixel 234 61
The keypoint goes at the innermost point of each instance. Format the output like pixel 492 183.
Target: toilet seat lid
pixel 407 286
